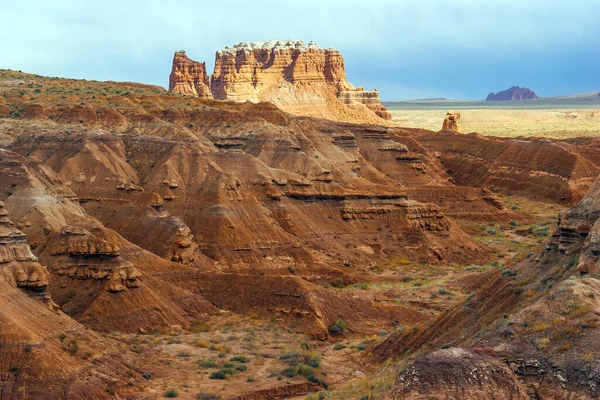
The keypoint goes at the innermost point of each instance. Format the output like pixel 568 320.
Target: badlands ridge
pixel 134 221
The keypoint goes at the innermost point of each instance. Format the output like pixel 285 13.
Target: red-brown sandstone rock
pixel 300 79
pixel 452 121
pixel 370 99
pixel 189 76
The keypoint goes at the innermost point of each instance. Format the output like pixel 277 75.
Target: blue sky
pixel 405 48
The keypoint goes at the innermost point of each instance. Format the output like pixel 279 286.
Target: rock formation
pixel 366 98
pixel 458 374
pixel 452 122
pixel 477 161
pixel 514 93
pixel 189 77
pixel 299 78
pixel 540 316
pixel 193 199
pixel 18 261
pixel 33 330
pixel 582 222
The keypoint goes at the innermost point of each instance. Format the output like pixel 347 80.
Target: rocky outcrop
pixel 514 93
pixel 581 224
pixel 452 121
pixel 17 260
pixel 85 256
pixel 189 77
pixel 370 99
pixel 533 340
pixel 458 374
pixel 513 166
pixel 299 78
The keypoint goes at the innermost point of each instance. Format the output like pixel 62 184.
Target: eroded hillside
pixel 158 216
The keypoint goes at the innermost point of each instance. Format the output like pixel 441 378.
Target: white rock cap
pixel 271 45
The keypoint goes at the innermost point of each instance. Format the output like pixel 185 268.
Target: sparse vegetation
pixel 171 394
pixel 222 375
pixel 208 364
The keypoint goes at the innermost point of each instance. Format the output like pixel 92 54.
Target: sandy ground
pixel 553 123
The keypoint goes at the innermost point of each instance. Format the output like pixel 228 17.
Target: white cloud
pixel 134 39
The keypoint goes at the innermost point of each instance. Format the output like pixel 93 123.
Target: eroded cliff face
pixel 17 262
pixel 579 227
pixel 153 210
pixel 189 76
pixel 38 340
pixel 538 320
pixel 301 79
pixel 369 99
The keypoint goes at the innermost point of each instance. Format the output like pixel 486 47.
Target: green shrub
pixel 315 379
pixel 228 371
pixel 291 357
pixel 218 375
pixel 241 359
pixel 171 393
pixel 208 364
pixel 290 372
pixel 338 283
pixel 513 223
pixel 314 360
pixel 305 370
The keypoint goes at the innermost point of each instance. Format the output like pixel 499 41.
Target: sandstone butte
pixel 514 93
pixel 298 78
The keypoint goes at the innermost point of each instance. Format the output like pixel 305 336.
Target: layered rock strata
pixel 299 78
pixel 85 256
pixel 17 260
pixel 189 77
pixel 370 99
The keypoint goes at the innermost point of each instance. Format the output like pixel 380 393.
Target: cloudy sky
pixel 405 48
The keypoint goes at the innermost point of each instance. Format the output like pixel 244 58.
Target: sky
pixel 407 49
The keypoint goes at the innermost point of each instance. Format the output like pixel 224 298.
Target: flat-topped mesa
pixel 244 71
pixel 189 76
pixel 298 78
